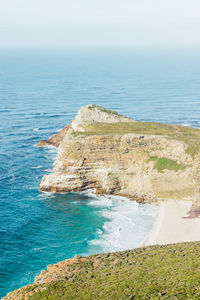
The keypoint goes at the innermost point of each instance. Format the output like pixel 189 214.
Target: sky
pixel 83 23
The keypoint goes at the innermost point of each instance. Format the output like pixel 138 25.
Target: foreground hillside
pixel 156 272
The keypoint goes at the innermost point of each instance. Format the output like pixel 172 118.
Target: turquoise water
pixel 39 93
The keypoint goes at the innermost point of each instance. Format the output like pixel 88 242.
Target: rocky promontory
pixel 116 155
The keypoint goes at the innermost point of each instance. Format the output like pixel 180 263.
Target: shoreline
pixel 172 224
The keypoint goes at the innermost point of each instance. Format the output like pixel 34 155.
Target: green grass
pixel 164 163
pixel 157 272
pixel 190 136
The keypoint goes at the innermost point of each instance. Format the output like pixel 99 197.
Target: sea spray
pixel 126 226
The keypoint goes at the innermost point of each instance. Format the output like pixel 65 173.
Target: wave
pixel 187 124
pixel 127 223
pixel 37 167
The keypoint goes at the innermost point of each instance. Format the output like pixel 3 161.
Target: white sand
pixel 170 225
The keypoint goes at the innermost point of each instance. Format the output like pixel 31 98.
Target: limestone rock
pixel 122 163
pixel 96 114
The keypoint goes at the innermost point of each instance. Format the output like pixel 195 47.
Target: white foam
pixel 38 167
pixel 48 170
pixel 127 223
pixel 186 125
pixel 45 194
pixel 51 153
pixel 38 249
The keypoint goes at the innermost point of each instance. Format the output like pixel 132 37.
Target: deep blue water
pixel 40 92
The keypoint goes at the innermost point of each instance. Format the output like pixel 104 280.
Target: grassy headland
pixel 190 136
pixel 156 272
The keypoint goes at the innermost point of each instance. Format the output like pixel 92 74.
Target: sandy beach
pixel 171 226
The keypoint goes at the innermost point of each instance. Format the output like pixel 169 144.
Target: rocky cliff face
pixel 92 114
pixel 117 155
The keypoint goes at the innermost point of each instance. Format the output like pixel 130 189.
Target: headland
pixel 143 161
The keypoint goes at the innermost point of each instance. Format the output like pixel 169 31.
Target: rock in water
pixel 55 139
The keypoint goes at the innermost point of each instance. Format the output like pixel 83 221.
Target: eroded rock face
pixel 95 114
pixel 54 273
pixel 121 164
pixel 57 271
pixel 55 139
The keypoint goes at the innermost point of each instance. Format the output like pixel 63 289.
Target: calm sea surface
pixel 39 93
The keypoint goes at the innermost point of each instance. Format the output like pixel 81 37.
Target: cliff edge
pixel 114 154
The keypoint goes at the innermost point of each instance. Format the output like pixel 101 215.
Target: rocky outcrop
pixel 86 116
pixel 104 151
pixel 92 114
pixel 55 139
pixel 54 273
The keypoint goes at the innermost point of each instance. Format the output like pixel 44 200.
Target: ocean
pixel 40 92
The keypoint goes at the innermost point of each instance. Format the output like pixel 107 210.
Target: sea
pixel 40 92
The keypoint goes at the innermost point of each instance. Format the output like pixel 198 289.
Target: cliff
pixel 157 272
pixel 117 155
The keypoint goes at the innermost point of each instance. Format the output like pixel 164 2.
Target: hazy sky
pixel 71 23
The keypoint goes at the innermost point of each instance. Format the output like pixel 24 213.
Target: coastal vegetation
pixel 190 136
pixel 103 109
pixel 154 272
pixel 164 163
